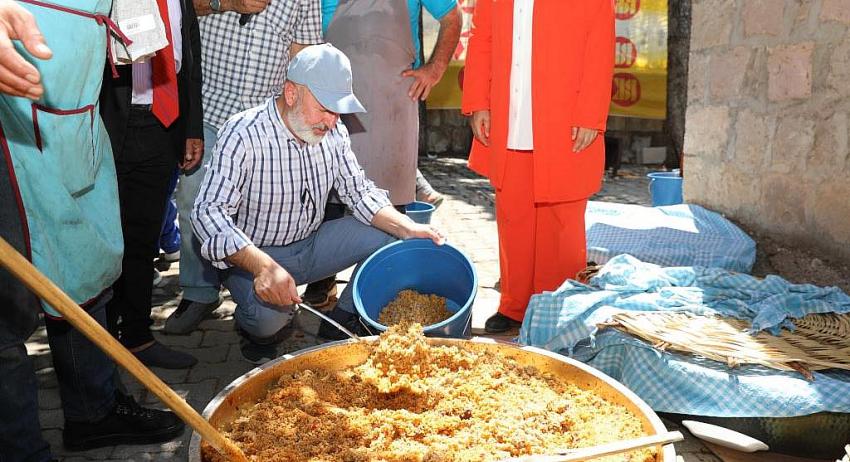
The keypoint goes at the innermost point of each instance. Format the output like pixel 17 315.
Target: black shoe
pixel 318 294
pixel 350 321
pixel 127 423
pixel 159 355
pixel 260 350
pixel 499 323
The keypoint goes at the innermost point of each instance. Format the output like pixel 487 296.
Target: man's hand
pixel 583 137
pixel 246 6
pixel 418 230
pixel 274 285
pixel 193 154
pixel 17 76
pixel 481 126
pixel 424 80
pixel 391 221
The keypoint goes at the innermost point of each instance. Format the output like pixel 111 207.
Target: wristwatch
pixel 215 5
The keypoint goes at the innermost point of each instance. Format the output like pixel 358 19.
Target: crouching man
pixel 260 208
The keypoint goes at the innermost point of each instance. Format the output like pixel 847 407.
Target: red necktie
pixel 166 106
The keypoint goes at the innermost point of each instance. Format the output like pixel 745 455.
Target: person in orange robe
pixel 537 83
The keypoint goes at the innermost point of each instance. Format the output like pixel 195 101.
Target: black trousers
pixel 145 165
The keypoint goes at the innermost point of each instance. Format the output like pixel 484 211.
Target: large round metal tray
pixel 253 386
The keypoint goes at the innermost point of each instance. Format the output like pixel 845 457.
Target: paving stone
pixel 210 354
pixel 192 340
pixel 219 337
pixel 48 398
pixel 223 325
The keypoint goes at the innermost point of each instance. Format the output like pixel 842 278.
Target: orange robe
pixel 541 196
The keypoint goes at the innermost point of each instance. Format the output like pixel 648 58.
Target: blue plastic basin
pixel 420 212
pixel 665 188
pixel 425 267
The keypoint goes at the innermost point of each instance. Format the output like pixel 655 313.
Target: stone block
pixel 707 131
pixel 752 139
pixel 192 340
pixel 438 141
pixel 829 209
pixel 784 199
pixel 461 140
pixel 740 194
pixel 763 17
pixel 790 72
pixel 216 338
pixel 835 10
pixel 728 70
pixel 701 181
pixel 712 23
pixel 831 143
pixel 210 355
pixel 801 11
pixel 49 399
pixel 432 117
pixel 792 144
pixel 838 78
pixel 162 451
pixel 697 78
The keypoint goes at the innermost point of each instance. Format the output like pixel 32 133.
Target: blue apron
pixel 60 153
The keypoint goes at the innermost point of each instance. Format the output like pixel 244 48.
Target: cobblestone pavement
pixel 466 215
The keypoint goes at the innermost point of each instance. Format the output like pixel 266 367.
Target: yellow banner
pixel 640 59
pixel 639 88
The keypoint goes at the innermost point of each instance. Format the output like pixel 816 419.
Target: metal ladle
pixel 301 306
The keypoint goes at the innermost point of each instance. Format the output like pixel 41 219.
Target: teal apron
pixel 60 155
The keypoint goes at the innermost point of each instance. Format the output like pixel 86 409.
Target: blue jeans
pixel 335 246
pixel 85 377
pixel 198 279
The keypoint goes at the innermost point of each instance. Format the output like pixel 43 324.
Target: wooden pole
pixel 31 277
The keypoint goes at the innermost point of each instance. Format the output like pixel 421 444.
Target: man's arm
pixel 194 148
pixel 219 198
pixel 475 99
pixel 294 48
pixel 17 76
pixel 203 8
pixel 427 76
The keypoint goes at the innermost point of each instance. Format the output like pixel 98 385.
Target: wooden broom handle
pixel 31 277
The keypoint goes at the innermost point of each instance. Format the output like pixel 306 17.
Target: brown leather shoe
pixel 318 294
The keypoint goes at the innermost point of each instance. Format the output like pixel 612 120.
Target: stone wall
pixel 444 132
pixel 766 137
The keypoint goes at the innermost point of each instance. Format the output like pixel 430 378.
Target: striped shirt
pixel 244 65
pixel 266 188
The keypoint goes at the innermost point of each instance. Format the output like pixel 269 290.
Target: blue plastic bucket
pixel 420 212
pixel 425 267
pixel 665 188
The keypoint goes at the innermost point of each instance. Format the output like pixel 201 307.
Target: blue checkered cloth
pixel 565 321
pixel 676 235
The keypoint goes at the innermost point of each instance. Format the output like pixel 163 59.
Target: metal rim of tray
pixel 668 453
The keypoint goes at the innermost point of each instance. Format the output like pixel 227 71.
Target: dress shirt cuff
pixel 223 245
pixel 369 204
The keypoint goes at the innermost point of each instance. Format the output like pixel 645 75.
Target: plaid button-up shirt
pixel 264 187
pixel 244 65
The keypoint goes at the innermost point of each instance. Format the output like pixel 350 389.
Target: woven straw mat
pixel 820 341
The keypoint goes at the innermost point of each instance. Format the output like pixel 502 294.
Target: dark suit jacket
pixel 117 93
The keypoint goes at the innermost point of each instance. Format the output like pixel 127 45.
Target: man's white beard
pixel 302 130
